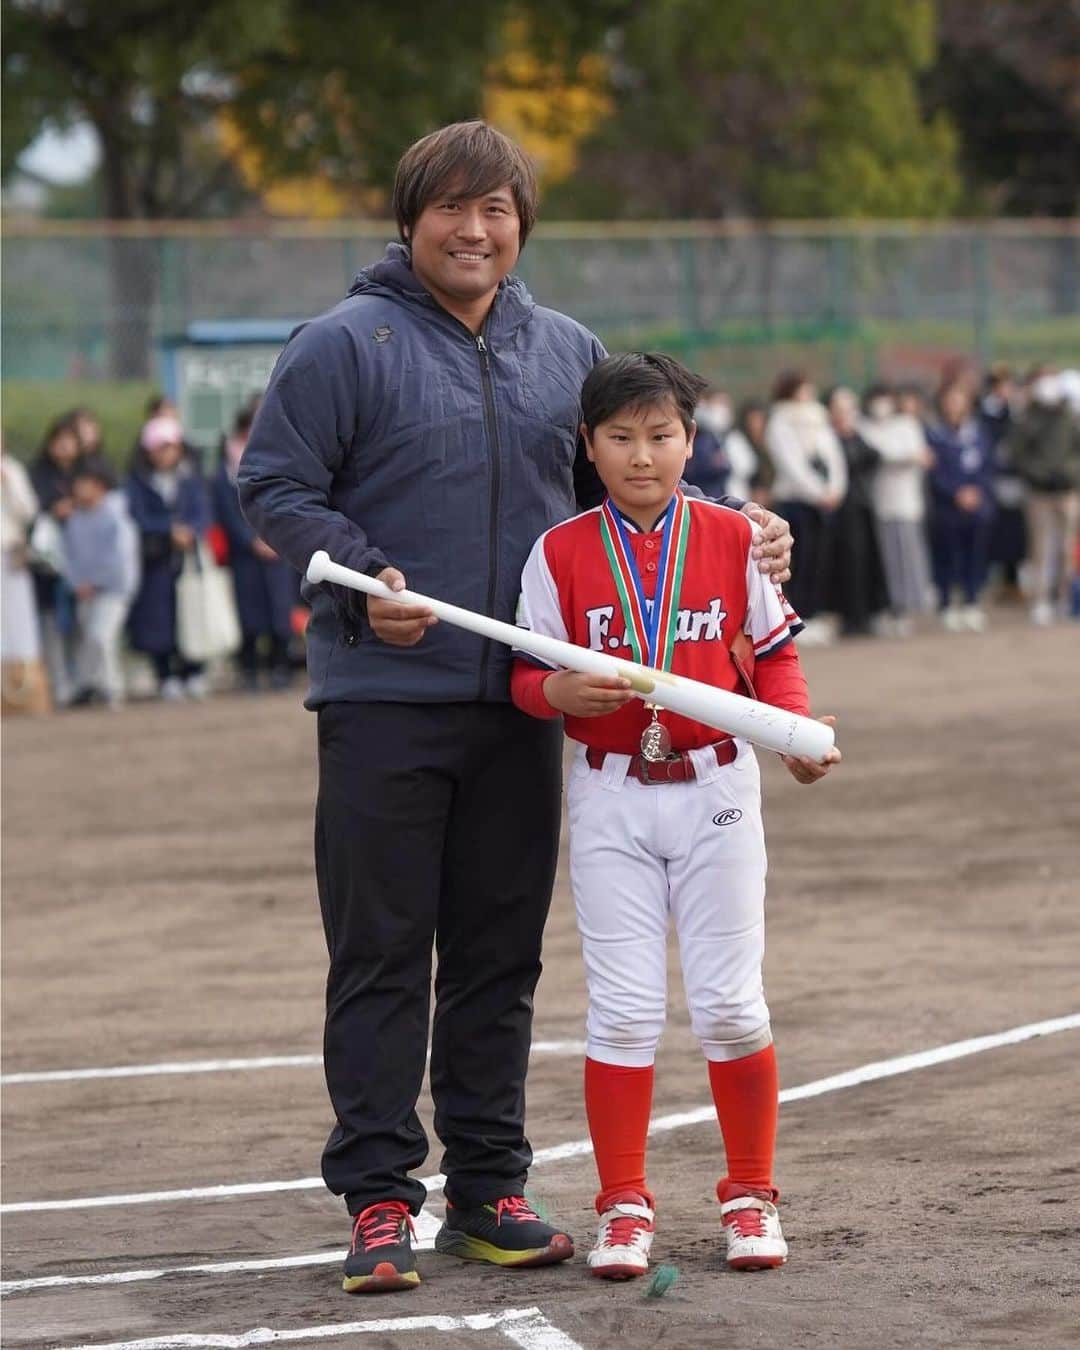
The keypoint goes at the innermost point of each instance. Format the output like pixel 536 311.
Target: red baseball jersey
pixel 568 592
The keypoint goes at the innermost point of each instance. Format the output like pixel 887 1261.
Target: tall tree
pixel 795 108
pixel 311 86
pixel 1008 75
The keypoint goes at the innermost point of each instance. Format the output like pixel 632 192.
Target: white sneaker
pixel 1042 614
pixel 974 619
pixel 197 687
pixel 623 1241
pixel 755 1240
pixel 952 619
pixel 172 690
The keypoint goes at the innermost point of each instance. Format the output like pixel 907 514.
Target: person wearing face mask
pixel 1008 542
pixel 1044 445
pixel 898 496
pixel 962 497
pixel 811 482
pixel 711 469
pixel 856 587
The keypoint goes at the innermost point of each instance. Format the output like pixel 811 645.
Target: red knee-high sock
pixel 746 1094
pixel 618 1102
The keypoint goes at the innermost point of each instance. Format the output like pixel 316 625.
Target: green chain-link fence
pixel 91 304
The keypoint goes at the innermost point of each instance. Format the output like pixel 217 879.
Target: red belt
pixel 676 768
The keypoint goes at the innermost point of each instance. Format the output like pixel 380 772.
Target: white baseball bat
pixel 761 723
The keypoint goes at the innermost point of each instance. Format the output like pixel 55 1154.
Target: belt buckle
pixel 647 768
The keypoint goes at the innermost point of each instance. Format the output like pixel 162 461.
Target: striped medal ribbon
pixel 650 628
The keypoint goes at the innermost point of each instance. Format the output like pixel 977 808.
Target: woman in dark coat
pixel 265 584
pixel 170 505
pixel 52 474
pixel 857 577
pixel 962 508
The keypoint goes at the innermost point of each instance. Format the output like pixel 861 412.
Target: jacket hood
pixel 393 277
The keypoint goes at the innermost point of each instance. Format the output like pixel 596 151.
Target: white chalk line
pixel 526 1327
pixel 866 1073
pixel 186 1066
pixel 426 1225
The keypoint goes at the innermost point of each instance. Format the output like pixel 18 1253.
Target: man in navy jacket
pixel 427 428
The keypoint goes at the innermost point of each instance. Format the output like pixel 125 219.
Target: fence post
pixel 840 302
pixel 983 340
pixel 690 300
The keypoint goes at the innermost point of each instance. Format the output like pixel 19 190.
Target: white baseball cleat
pixel 755 1240
pixel 622 1244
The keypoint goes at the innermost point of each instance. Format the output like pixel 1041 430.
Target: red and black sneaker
pixel 507 1232
pixel 381 1255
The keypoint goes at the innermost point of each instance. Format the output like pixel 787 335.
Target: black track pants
pixel 435 823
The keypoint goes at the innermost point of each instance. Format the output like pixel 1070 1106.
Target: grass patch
pixel 28 406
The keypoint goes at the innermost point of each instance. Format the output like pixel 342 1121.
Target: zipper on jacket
pixel 492 428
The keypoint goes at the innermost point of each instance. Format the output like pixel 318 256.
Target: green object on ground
pixel 539 1208
pixel 663 1278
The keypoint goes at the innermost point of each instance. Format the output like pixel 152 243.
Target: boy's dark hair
pixel 97 468
pixel 638 380
pixel 470 158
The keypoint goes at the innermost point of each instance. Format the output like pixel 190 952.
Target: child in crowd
pixel 962 500
pixel 266 586
pixel 665 813
pixel 170 506
pixel 101 546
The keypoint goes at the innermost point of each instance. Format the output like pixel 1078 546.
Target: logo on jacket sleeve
pixel 382 334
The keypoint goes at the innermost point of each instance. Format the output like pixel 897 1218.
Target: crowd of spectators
pixel 93 557
pixel 903 502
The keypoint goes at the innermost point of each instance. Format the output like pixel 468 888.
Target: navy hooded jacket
pixel 390 434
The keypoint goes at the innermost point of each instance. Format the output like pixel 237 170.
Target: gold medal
pixel 655 739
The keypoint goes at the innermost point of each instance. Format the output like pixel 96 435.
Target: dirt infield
pixel 159 906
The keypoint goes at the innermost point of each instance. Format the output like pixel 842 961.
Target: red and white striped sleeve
pixel 771 623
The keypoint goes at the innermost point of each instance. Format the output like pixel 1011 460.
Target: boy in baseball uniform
pixel 665 813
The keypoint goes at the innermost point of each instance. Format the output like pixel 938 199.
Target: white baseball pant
pixel 694 852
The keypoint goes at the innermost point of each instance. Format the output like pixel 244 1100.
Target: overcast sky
pixel 63 157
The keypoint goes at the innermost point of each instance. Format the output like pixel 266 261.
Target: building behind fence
pixel 84 301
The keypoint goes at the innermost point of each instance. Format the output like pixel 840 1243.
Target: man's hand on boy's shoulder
pixel 772 542
pixel 578 695
pixel 811 770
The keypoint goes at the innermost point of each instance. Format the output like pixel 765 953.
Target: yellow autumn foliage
pixel 310 197
pixel 546 113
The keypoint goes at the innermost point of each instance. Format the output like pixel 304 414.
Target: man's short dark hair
pixel 470 158
pixel 636 381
